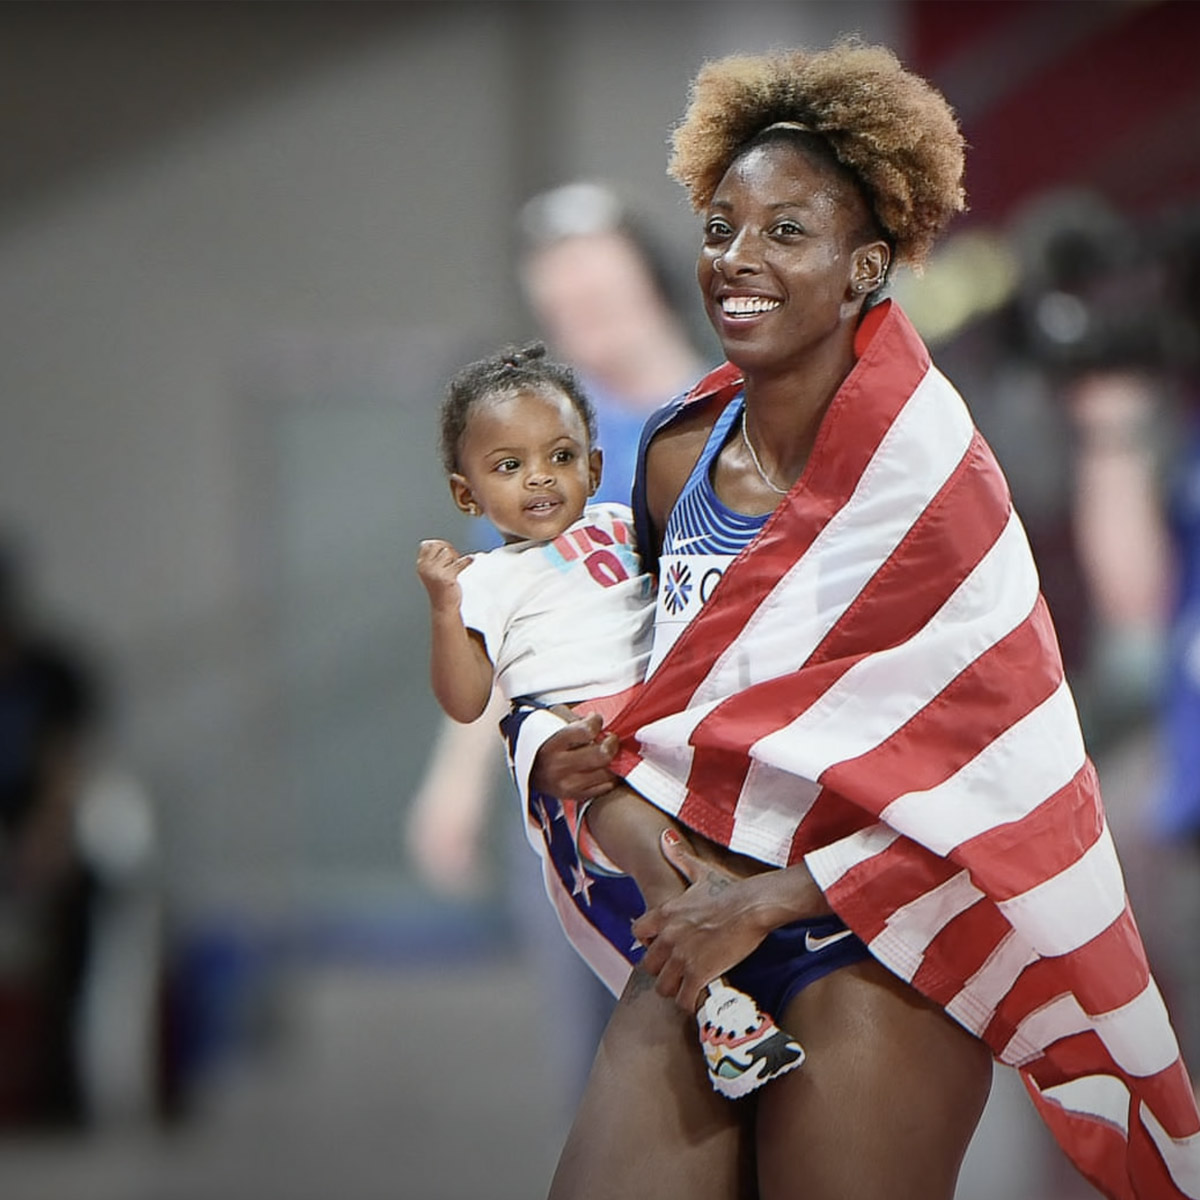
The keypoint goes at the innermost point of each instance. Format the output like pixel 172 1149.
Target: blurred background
pixel 242 245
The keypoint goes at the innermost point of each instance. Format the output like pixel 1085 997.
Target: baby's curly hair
pixel 511 370
pixel 893 131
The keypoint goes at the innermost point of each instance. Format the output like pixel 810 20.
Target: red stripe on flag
pixel 711 813
pixel 931 561
pixel 1170 1097
pixel 1098 1149
pixel 1003 685
pixel 1146 1166
pixel 831 818
pixel 871 891
pixel 1111 970
pixel 960 950
pixel 1012 858
pixel 1114 954
pixel 1167 1093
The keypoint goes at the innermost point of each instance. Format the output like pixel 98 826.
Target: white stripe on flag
pixel 976 1004
pixel 1102 1096
pixel 919 921
pixel 771 806
pixel 880 694
pixel 1069 909
pixel 1138 1035
pixel 830 863
pixel 1044 749
pixel 537 727
pixel 666 752
pixel 661 782
pixel 1182 1155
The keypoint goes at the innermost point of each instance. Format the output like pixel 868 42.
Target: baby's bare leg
pixel 627 828
pixel 743 1047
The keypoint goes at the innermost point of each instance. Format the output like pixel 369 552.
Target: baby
pixel 562 614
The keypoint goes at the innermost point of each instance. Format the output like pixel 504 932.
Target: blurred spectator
pixel 1176 811
pixel 80 922
pixel 604 299
pixel 48 710
pixel 1111 310
pixel 607 302
pixel 1092 317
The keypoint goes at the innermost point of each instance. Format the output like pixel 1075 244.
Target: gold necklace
pixel 754 458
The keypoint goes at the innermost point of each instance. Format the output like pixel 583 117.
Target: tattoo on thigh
pixel 640 981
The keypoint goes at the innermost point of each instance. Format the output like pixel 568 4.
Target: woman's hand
pixel 719 920
pixel 574 761
pixel 697 936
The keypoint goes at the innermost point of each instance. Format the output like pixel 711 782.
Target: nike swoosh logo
pixel 813 944
pixel 679 543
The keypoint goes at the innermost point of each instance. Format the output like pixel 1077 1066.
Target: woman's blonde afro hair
pixel 891 129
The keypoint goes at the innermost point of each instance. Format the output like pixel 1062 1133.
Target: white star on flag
pixel 583 884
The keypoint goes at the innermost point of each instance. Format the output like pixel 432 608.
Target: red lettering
pixel 605 568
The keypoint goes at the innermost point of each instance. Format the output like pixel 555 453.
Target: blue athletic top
pixel 703 536
pixel 700 522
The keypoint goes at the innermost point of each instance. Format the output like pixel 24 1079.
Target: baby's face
pixel 525 460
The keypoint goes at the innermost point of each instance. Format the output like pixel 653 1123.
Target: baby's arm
pixel 627 828
pixel 459 669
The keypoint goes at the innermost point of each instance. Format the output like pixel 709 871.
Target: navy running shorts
pixel 793 956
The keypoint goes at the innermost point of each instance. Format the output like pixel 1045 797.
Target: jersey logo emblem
pixel 678 588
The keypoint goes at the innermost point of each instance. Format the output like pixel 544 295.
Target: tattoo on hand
pixel 717 883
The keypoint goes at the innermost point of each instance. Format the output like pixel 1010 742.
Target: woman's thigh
pixel 886 1101
pixel 649 1123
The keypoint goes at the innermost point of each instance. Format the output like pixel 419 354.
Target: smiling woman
pixel 866 717
pixel 785 233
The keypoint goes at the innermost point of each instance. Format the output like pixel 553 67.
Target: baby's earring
pixel 473 509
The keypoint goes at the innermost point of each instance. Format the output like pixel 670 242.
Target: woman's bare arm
pixel 670 458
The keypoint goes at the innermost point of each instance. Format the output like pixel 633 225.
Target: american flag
pixel 875 688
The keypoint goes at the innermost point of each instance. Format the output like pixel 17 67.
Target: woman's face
pixel 782 250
